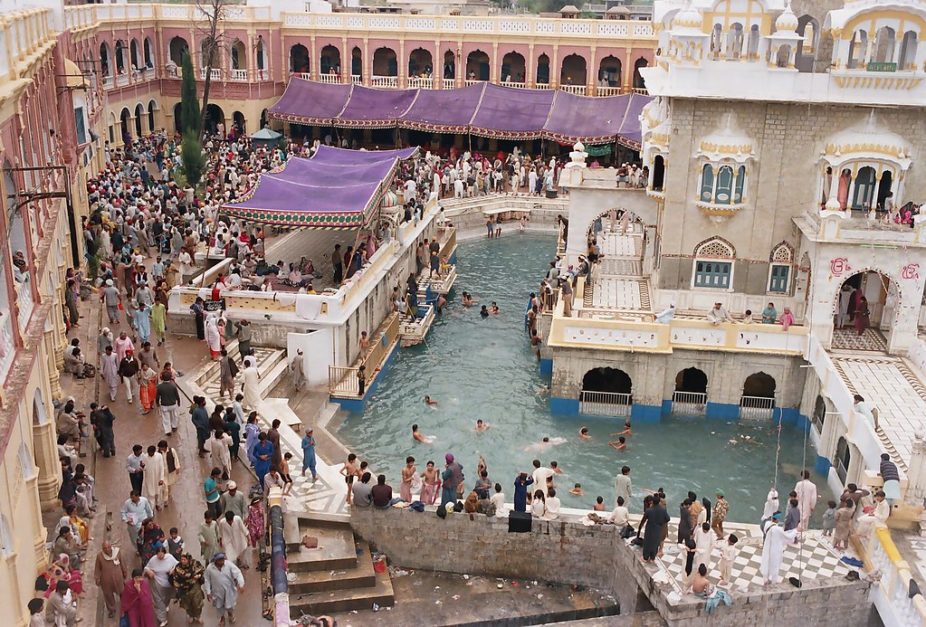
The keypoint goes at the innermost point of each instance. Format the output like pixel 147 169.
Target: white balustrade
pixel 515 84
pixel 330 79
pixel 607 91
pixel 7 347
pixel 543 86
pixel 472 81
pixel 447 83
pixel 263 75
pixel 419 82
pixel 215 74
pixel 385 81
pixel 578 90
pixel 122 80
pixel 239 75
pixel 356 79
pixel 24 301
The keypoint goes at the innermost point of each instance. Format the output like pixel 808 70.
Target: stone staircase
pixel 338 576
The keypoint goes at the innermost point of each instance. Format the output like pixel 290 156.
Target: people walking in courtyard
pixel 109 574
pixel 187 580
pixel 137 601
pixel 223 582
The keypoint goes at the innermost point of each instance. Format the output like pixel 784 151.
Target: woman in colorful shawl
pixel 150 538
pixel 187 580
pixel 255 523
pixel 148 387
pixel 61 570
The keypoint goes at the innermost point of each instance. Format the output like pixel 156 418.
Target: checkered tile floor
pixel 848 339
pixel 819 561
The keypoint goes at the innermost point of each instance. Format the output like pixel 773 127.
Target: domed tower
pixel 815 51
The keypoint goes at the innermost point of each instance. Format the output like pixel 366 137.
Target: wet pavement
pixel 187 501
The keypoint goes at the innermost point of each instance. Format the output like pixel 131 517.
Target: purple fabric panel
pixel 444 107
pixel 274 194
pixel 381 105
pixel 311 100
pixel 585 116
pixel 344 156
pixel 630 128
pixel 509 110
pixel 308 172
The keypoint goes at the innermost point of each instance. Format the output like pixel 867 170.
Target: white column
pixel 916 474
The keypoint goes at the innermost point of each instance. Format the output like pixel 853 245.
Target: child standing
pixel 175 543
pixel 829 519
pixel 284 473
pixel 727 555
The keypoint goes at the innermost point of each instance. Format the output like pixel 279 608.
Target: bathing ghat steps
pixel 339 575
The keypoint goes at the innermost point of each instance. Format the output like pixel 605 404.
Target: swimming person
pixel 484 312
pixel 429 401
pixel 494 310
pixel 583 434
pixel 468 300
pixel 481 426
pixel 420 437
pixel 577 490
pixel 627 430
pixel 620 444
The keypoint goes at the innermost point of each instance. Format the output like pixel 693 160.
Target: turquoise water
pixel 483 368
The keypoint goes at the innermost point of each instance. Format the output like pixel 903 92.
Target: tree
pixel 190 119
pixel 194 163
pixel 211 44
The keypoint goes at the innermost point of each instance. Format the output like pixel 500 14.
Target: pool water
pixel 484 368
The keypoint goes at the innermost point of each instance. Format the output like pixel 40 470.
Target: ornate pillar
pixel 530 67
pixel 345 73
pixel 554 68
pixel 54 372
pixel 591 73
pixel 852 189
pixel 402 65
pixel 313 59
pixel 366 69
pixel 627 70
pixel 916 475
pixel 494 65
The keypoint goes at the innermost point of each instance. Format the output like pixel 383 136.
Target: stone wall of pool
pixel 566 551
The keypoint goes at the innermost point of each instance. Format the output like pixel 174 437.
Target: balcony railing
pixel 385 81
pixel 107 82
pixel 542 86
pixel 356 79
pixel 689 403
pixel 331 79
pixel 239 75
pixel 24 301
pixel 418 82
pixel 473 81
pixel 215 74
pixel 515 84
pixel 122 80
pixel 607 91
pixel 759 407
pixel 447 83
pixel 263 75
pixel 578 90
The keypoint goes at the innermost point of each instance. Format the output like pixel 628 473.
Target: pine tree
pixel 194 163
pixel 189 102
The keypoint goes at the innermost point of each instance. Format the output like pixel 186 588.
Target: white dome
pixel 787 21
pixel 689 17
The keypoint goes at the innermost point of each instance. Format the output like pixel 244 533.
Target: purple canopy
pixel 334 189
pixel 482 109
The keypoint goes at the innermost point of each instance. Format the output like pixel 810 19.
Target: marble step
pixel 332 601
pixel 336 550
pixel 361 576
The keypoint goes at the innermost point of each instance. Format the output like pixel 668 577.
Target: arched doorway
pixel 178 126
pixel 758 399
pixel 124 120
pixel 149 56
pixel 609 72
pixel 842 459
pixel 385 62
pixel 543 70
pixel 477 66
pixel 450 65
pixel 264 119
pixel 299 59
pixel 134 56
pixel 214 118
pixel 659 173
pixel 420 64
pixel 637 77
pixel 606 392
pixel 139 117
pixel 690 395
pixel 178 48
pixel 574 70
pixel 864 308
pixel 106 64
pixel 513 68
pixel 152 107
pixel 330 60
pixel 239 58
pixel 819 413
pixel 238 121
pixel 356 63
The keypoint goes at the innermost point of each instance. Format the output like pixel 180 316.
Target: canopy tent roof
pixel 266 134
pixel 483 109
pixel 334 189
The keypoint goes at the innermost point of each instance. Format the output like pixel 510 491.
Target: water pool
pixel 484 368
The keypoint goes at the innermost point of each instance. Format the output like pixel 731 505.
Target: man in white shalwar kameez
pixel 776 539
pixel 806 499
pixel 154 483
pixel 704 543
pixel 251 384
pixel 233 538
pixel 222 583
pixel 219 454
pixel 109 369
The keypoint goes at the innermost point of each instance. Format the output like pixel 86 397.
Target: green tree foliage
pixel 189 101
pixel 194 163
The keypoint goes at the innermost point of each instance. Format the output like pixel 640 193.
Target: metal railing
pixel 239 75
pixel 342 380
pixel 331 79
pixel 689 403
pixel 594 403
pixel 385 81
pixel 761 407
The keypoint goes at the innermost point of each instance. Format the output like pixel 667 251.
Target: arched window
pixel 724 185
pixel 713 264
pixel 707 183
pixel 779 276
pixel 752 45
pixel 884 45
pixel 149 55
pixel 783 57
pixel 858 47
pixel 907 59
pixel 865 182
pixel 843 459
pixel 740 185
pixel 735 41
